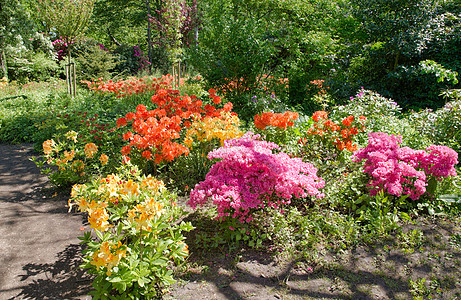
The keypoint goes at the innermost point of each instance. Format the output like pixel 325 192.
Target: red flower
pixel 216 100
pixel 319 115
pixel 121 122
pixel 127 136
pixel 147 154
pixel 348 121
pixel 126 150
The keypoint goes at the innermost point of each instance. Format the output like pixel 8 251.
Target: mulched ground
pixel 40 255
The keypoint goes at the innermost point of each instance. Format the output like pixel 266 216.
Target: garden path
pixel 39 248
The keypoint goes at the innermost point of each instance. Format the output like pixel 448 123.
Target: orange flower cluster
pixel 154 131
pixel 131 86
pixel 318 83
pixel 342 134
pixel 106 257
pixel 90 150
pixel 279 120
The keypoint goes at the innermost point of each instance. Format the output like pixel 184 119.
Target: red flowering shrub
pixel 156 133
pixel 280 120
pixel 340 135
pixel 130 86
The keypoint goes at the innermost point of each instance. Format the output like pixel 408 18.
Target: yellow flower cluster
pixel 72 135
pixel 49 146
pixel 221 128
pixel 105 257
pixel 90 150
pixel 3 82
pixel 141 214
pixel 112 190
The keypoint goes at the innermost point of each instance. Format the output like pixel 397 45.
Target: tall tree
pixel 68 19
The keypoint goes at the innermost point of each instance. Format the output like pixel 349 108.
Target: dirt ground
pixel 40 255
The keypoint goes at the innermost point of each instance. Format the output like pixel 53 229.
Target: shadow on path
pixel 64 278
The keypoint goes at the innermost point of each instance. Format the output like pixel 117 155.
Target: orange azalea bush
pixel 275 126
pixel 72 163
pixel 341 135
pixel 156 133
pixel 130 86
pixel 135 242
pixel 280 120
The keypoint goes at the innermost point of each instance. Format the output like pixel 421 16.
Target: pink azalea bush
pixel 250 176
pixel 403 170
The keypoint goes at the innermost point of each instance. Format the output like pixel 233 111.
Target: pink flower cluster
pixel 403 170
pixel 250 176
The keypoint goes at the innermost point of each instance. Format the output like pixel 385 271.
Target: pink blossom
pixel 250 176
pixel 403 170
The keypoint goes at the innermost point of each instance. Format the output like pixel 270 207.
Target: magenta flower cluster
pixel 399 171
pixel 250 176
pixel 60 46
pixel 143 60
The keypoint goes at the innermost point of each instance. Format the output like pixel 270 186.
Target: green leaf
pixel 431 186
pixel 119 228
pixel 405 216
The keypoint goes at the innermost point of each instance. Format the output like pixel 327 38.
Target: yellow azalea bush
pixel 201 137
pixel 208 129
pixel 72 162
pixel 136 241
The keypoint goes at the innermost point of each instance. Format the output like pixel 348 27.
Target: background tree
pixel 242 40
pixel 68 19
pixel 15 30
pixel 393 37
pixel 174 24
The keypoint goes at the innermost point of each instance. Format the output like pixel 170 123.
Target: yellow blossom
pixel 104 159
pixel 69 155
pixel 90 150
pixel 130 188
pixel 152 184
pixel 98 219
pixel 49 146
pixel 72 135
pixel 104 257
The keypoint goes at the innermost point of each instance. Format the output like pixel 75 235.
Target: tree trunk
pixel 4 66
pixel 70 74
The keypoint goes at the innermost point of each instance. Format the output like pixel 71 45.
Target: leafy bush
pixel 250 177
pixel 138 240
pixel 442 126
pixel 94 61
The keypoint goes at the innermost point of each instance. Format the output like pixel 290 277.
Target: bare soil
pixel 40 255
